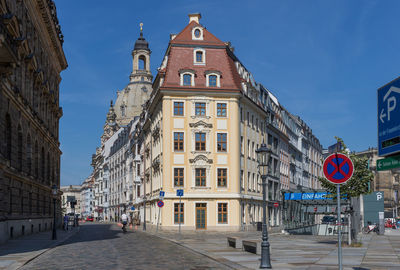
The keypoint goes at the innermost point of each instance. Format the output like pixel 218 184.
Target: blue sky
pixel 324 60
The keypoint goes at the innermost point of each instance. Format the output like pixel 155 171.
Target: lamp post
pixel 54 190
pixel 263 156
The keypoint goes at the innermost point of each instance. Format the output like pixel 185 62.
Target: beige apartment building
pixel 199 132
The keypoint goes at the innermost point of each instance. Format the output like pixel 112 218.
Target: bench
pixel 253 246
pixel 235 242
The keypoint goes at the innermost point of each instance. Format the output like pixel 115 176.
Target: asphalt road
pixel 104 246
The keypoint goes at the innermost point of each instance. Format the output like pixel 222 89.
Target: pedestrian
pixel 65 222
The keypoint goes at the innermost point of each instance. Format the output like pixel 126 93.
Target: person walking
pixel 124 220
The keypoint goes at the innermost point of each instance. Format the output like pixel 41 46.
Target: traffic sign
pixel 389 118
pixel 338 168
pixel 162 193
pixel 160 204
pixel 388 163
pixel 179 192
pixel 133 208
pixel 276 204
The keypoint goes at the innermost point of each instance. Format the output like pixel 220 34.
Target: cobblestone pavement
pixel 104 246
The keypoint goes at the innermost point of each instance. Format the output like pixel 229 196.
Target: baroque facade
pixel 199 132
pixel 204 117
pixel 31 59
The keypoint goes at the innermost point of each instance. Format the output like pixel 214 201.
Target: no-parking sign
pixel 160 204
pixel 338 168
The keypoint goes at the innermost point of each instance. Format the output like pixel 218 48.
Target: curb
pixel 58 243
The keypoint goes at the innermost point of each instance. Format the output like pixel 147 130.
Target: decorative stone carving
pixel 201 157
pixel 200 123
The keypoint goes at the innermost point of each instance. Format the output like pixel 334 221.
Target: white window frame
pixel 173 177
pixel 173 107
pixel 208 171
pixel 216 143
pixel 201 37
pixel 216 109
pixel 173 141
pixel 216 213
pixel 216 178
pixel 195 59
pixel 218 79
pixel 185 73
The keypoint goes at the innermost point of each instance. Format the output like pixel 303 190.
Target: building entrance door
pixel 201 216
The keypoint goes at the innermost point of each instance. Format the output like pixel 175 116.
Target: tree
pixel 359 183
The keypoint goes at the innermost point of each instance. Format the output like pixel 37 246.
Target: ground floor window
pixel 178 213
pixel 222 213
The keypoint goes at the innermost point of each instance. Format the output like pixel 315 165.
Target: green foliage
pixel 358 183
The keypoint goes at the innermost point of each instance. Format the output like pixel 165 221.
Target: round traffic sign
pixel 160 203
pixel 338 168
pixel 276 204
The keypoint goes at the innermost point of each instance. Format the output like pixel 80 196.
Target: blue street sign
pixel 179 192
pixel 133 208
pixel 389 118
pixel 162 193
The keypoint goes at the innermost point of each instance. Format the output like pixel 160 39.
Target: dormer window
pixel 213 78
pixel 197 33
pixel 187 77
pixel 199 56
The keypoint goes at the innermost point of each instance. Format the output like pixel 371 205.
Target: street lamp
pixel 54 190
pixel 263 155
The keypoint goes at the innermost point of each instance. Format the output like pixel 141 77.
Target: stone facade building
pixel 31 59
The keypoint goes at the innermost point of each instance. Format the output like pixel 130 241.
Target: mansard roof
pixel 218 57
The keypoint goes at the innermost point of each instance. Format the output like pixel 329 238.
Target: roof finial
pixel 141 29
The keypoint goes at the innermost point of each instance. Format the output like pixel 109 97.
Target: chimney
pixel 195 17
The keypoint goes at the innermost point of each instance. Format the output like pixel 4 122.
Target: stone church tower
pixel 130 99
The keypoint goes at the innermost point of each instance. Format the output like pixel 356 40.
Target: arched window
pixel 212 80
pixel 29 155
pixel 19 148
pixel 142 62
pixel 187 79
pixel 36 160
pixel 7 137
pixel 48 169
pixel 42 165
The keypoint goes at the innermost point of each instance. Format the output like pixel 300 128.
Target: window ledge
pixel 204 188
pixel 200 116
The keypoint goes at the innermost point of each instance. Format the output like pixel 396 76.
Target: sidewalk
pixel 17 252
pixel 293 251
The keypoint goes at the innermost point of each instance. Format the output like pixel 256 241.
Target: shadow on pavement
pixel 40 241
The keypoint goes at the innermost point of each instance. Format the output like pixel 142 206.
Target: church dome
pixel 141 43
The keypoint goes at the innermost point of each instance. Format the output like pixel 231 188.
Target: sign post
pixel 338 169
pixel 159 204
pixel 179 192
